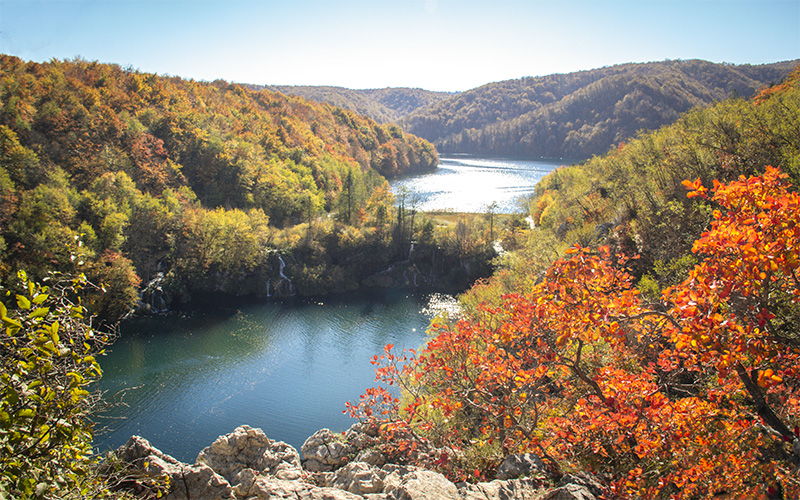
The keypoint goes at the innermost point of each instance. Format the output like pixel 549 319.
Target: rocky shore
pixel 247 465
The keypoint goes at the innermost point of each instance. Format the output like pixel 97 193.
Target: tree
pixel 693 397
pixel 48 362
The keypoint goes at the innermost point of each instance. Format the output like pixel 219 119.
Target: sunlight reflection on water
pixel 287 367
pixel 471 184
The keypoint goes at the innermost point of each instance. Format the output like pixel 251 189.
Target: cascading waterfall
pixel 283 287
pixel 152 295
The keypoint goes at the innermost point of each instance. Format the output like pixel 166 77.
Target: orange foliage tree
pixel 689 398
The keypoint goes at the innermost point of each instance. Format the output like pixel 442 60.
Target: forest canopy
pixel 125 175
pixel 645 330
pixel 577 115
pixel 382 105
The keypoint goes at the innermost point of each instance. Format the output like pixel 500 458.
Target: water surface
pixel 288 367
pixel 471 183
pixel 182 379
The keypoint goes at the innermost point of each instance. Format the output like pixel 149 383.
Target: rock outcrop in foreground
pixel 247 465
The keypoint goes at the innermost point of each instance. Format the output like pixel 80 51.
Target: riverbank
pixel 246 464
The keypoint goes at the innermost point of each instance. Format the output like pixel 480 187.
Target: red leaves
pixel 695 188
pixel 581 368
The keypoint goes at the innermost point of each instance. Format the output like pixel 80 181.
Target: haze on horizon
pixel 443 45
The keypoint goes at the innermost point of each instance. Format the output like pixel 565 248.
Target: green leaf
pixel 40 298
pixel 41 312
pixel 3 310
pixel 12 323
pixel 23 302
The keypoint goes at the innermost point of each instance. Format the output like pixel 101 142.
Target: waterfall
pixel 153 299
pixel 282 286
pixel 281 267
pixel 498 247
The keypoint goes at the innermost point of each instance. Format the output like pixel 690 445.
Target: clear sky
pixel 448 45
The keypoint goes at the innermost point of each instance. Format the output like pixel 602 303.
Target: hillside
pixel 219 139
pixel 130 177
pixel 644 330
pixel 581 114
pixel 632 198
pixel 382 105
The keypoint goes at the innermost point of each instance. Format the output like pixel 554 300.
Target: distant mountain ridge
pixel 382 105
pixel 581 114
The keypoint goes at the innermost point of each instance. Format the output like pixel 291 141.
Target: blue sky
pixel 448 45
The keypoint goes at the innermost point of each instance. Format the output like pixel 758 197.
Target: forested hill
pixel 581 114
pixel 221 140
pixel 125 175
pixel 382 105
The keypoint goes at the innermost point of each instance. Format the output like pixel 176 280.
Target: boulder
pixel 243 483
pixel 519 465
pixel 569 492
pixel 359 478
pixel 513 489
pixel 423 484
pixel 185 481
pixel 392 475
pixel 249 448
pixel 265 487
pixel 361 436
pixel 246 465
pixel 372 457
pixel 324 451
pixel 584 479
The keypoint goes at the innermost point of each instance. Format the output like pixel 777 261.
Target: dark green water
pixel 288 367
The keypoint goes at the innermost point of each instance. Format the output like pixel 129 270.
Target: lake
pixel 182 379
pixel 470 183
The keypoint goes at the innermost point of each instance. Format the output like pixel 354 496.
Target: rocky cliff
pixel 247 465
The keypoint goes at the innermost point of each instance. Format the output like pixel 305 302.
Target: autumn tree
pixel 695 396
pixel 47 368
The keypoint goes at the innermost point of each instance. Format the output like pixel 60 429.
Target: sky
pixel 442 45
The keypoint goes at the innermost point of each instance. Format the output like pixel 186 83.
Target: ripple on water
pixel 287 367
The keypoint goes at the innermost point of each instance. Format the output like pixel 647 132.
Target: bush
pixel 48 352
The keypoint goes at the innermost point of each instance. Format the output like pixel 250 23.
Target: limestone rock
pixel 584 479
pixel 372 457
pixel 392 475
pixel 361 436
pixel 269 488
pixel 359 478
pixel 186 481
pixel 569 492
pixel 323 451
pixel 138 448
pixel 243 483
pixel 519 465
pixel 513 489
pixel 247 447
pixel 424 485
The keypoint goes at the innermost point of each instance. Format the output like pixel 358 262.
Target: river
pixel 184 378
